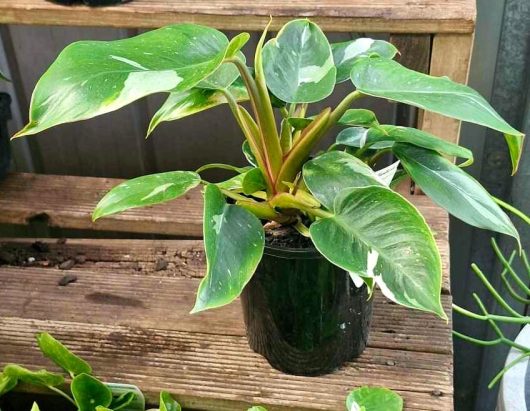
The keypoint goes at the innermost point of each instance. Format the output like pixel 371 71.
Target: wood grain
pixel 139 321
pixel 397 16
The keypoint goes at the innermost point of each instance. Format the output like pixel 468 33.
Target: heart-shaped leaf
pixel 41 377
pixel 189 102
pixel 253 181
pixel 298 63
pixel 453 189
pixel 146 190
pixel 234 242
pixel 126 397
pixel 61 355
pixel 167 403
pixel 90 78
pixel 388 79
pixel 375 232
pixel 90 393
pixel 345 54
pixel 374 399
pixel 330 173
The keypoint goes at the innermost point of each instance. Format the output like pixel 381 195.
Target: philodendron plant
pixel 337 198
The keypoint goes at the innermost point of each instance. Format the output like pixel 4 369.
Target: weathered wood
pixel 451 55
pixel 416 16
pixel 137 318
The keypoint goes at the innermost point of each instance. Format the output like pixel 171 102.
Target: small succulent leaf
pixel 374 399
pixel 236 44
pixel 146 190
pixel 7 383
pixel 375 232
pixel 253 181
pixel 330 173
pixel 298 63
pixel 386 174
pixel 90 78
pixel 234 241
pixel 359 117
pixel 360 136
pixel 453 189
pixel 35 407
pixel 126 397
pixel 89 393
pixel 223 77
pixel 249 155
pixel 100 408
pixel 257 408
pixel 41 377
pixel 193 101
pixel 167 403
pixel 388 79
pixel 62 356
pixel 345 53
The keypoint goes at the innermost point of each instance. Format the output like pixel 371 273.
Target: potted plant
pixel 292 231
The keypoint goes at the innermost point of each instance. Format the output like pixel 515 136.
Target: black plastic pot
pixel 303 314
pixel 5 147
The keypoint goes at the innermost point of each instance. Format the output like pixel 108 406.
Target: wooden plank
pixel 416 16
pixel 138 320
pixel 67 202
pixel 451 55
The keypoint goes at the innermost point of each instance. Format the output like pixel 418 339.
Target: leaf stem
pixel 514 210
pixel 509 268
pixel 500 318
pixel 220 166
pixel 505 369
pixel 62 394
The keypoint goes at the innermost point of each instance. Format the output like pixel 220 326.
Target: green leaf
pixel 41 377
pixel 237 44
pixel 60 355
pixel 453 189
pixel 126 397
pixel 7 383
pixel 253 181
pixel 359 117
pixel 388 79
pixel 167 403
pixel 146 190
pixel 298 63
pixel 374 399
pixel 299 123
pixel 3 76
pixel 386 135
pixel 330 173
pixel 223 77
pixel 375 232
pixel 189 102
pixel 35 407
pixel 89 393
pixel 234 242
pixel 360 136
pixel 249 155
pixel 345 54
pixel 257 408
pixel 90 78
pixel 100 408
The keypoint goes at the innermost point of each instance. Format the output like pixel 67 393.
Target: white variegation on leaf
pixel 90 78
pixel 298 63
pixel 345 53
pixel 386 174
pixel 195 100
pixel 388 79
pixel 376 232
pixel 330 173
pixel 234 241
pixel 146 190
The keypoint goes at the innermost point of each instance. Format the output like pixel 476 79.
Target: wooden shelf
pixel 395 16
pixel 122 311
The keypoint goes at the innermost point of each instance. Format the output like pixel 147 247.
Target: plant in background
pixel 517 288
pixel 87 393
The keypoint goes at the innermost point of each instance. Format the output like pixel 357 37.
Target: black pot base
pixel 305 315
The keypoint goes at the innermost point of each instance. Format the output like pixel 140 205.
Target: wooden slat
pixel 137 319
pixel 397 16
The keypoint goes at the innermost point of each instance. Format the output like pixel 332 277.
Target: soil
pixel 286 237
